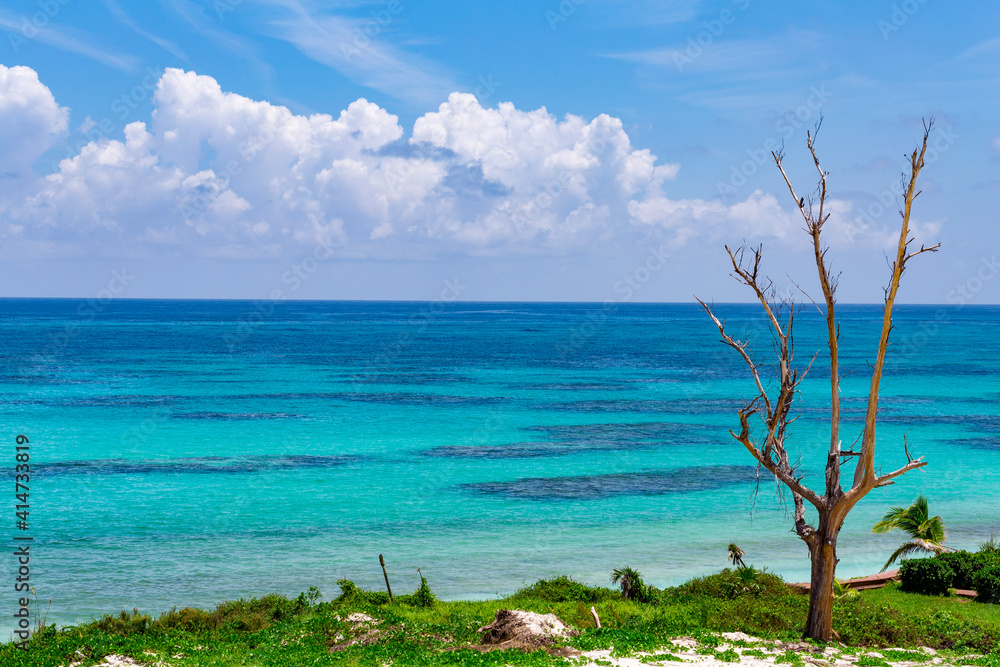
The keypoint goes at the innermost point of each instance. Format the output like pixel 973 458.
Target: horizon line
pixel 483 301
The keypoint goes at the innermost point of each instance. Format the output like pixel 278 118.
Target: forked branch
pixel 864 474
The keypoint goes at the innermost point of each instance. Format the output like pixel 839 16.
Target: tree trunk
pixel 819 623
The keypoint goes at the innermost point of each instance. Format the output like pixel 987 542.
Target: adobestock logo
pixel 713 29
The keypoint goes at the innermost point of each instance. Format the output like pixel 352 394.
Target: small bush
pixel 564 589
pixel 990 547
pixel 986 582
pixel 188 619
pixel 422 597
pixel 966 565
pixel 729 584
pixel 929 576
pixel 349 593
pixel 125 624
pixel 256 614
pixel 313 595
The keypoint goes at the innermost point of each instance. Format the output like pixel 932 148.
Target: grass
pixel 420 630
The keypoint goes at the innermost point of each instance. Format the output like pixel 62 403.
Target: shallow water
pixel 188 452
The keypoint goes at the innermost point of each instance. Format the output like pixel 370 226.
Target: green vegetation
pixel 421 630
pixel 927 533
pixel 631 584
pixel 978 571
pixel 928 576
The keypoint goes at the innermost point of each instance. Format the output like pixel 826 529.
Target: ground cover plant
pixel 358 627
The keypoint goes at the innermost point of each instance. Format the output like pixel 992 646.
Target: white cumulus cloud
pixel 32 120
pixel 217 174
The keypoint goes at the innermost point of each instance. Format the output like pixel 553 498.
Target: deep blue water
pixel 188 452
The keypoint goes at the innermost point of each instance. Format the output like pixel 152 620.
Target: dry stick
pixel 597 619
pixel 386 575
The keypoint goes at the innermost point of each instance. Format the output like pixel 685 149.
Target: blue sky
pixel 584 150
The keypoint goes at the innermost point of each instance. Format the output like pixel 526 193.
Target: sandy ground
pixel 755 652
pixel 752 652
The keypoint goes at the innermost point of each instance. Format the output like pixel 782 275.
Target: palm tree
pixel 926 533
pixel 736 555
pixel 630 581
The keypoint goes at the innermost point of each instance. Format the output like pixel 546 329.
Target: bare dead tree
pixel 773 405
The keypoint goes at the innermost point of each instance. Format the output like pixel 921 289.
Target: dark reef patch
pixel 220 465
pixel 234 416
pixel 118 401
pixel 596 487
pixel 573 386
pixel 438 400
pixel 678 406
pixel 574 439
pixel 983 442
pixel 376 376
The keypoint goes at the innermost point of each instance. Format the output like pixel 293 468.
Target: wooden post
pixel 386 575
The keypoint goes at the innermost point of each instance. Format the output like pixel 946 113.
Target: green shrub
pixel 986 583
pixel 188 619
pixel 966 565
pixel 422 597
pixel 990 547
pixel 256 614
pixel 125 624
pixel 564 589
pixel 349 593
pixel 929 576
pixel 313 595
pixel 730 584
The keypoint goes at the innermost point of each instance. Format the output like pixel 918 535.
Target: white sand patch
pixel 361 618
pixel 752 652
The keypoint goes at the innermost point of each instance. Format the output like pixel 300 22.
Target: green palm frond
pixel 630 581
pixel 926 533
pixel 736 555
pixel 932 529
pixel 890 521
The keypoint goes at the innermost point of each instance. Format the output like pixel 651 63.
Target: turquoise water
pixel 188 452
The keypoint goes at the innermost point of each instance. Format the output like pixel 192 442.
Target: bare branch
pixel 814 226
pixel 749 278
pixel 864 473
pixel 933 248
pixel 912 465
pixel 780 470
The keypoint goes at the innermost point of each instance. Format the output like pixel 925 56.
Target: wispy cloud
pixel 69 40
pixel 360 50
pixel 989 48
pixel 204 24
pixel 735 75
pixel 732 58
pixel 632 13
pixel 119 15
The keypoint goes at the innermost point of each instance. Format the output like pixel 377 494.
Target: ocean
pixel 184 453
